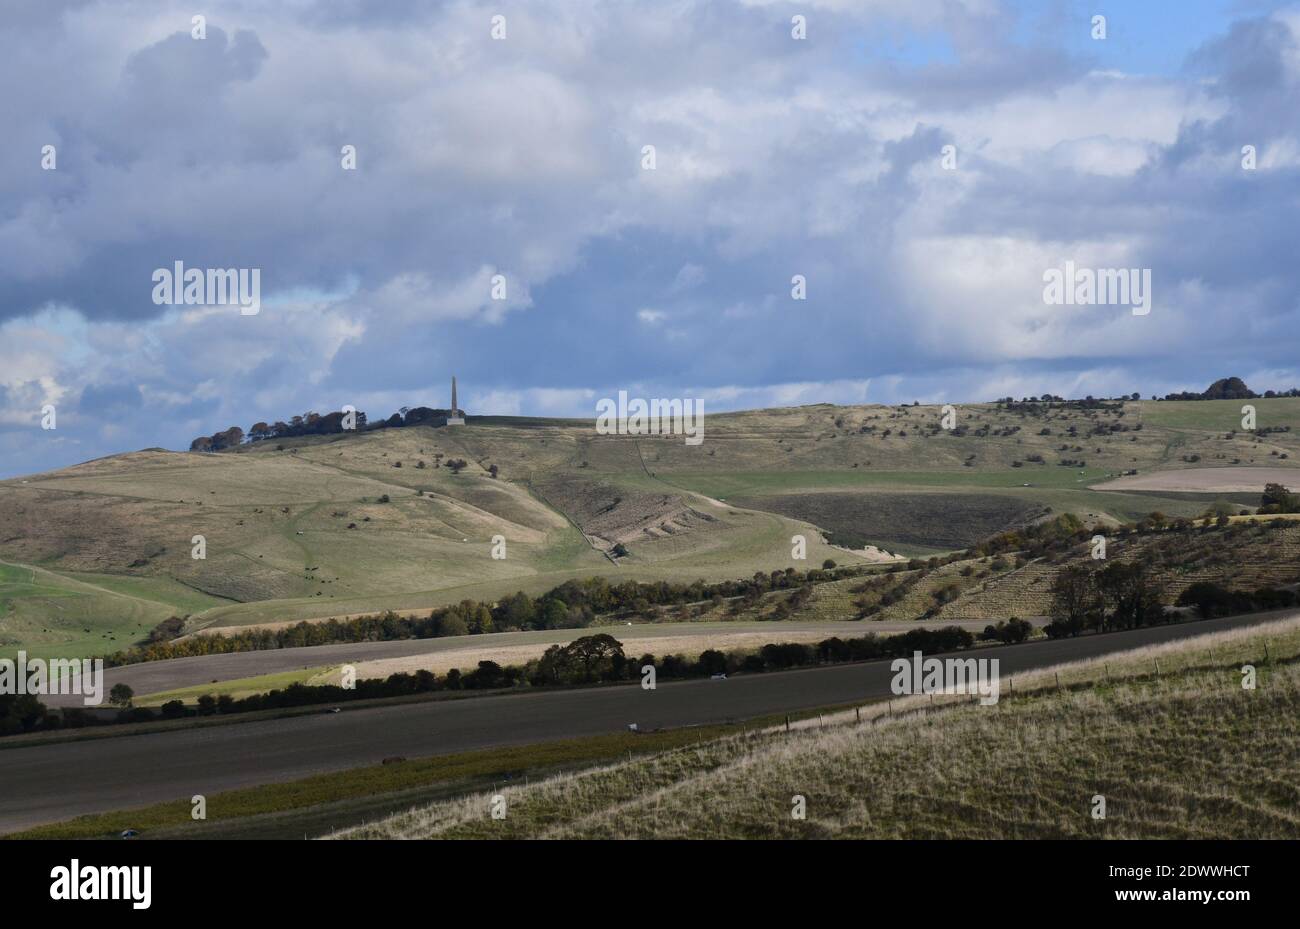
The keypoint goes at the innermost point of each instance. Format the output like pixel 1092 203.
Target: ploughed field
pixel 927 520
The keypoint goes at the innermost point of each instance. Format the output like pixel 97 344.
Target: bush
pixel 712 662
pixel 1211 600
pixel 1009 632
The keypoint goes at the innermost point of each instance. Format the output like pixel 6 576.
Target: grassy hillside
pixel 56 615
pixel 339 525
pixel 1167 735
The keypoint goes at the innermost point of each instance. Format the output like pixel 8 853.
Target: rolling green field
pixel 57 615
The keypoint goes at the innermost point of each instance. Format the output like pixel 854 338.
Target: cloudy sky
pixel 523 157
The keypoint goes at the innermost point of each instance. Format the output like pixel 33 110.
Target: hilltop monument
pixel 456 417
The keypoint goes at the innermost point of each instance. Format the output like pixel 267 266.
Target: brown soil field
pixel 856 519
pixel 1207 480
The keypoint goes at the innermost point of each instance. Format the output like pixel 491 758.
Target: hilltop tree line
pixel 1231 388
pixel 312 423
pixel 1225 388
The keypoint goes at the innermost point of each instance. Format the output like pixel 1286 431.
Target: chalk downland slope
pixel 313 527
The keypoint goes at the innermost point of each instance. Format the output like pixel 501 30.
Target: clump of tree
pixel 585 660
pixel 1225 388
pixel 1008 632
pixel 1118 596
pixel 313 423
pixel 1210 599
pixel 166 630
pixel 24 713
pixel 121 695
pixel 1278 499
pixel 231 438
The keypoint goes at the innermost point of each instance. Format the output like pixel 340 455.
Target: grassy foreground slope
pixel 1167 735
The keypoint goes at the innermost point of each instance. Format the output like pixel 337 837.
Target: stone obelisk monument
pixel 455 417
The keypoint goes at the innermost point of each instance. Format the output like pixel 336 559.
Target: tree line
pixel 575 604
pixel 592 659
pixel 312 423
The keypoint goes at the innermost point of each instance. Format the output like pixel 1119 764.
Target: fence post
pixel 787 724
pixel 1058 681
pixel 1157 664
pixel 857 712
